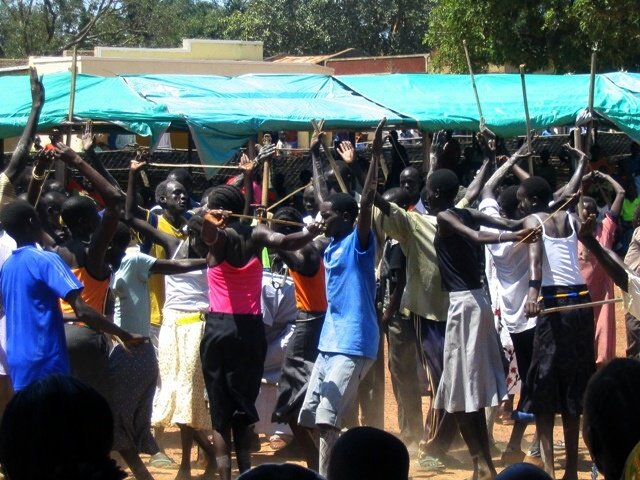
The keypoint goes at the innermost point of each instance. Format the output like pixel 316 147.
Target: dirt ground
pixel 501 434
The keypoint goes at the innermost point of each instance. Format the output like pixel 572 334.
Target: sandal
pixel 430 464
pixel 160 460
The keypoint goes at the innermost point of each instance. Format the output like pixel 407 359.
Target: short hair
pixel 283 471
pixel 367 452
pixel 538 187
pixel 523 471
pixel 226 197
pixel 397 195
pixel 76 209
pixel 343 202
pixel 161 190
pixel 508 200
pixel 288 213
pixel 122 236
pixel 74 428
pixel 445 181
pixel 611 417
pixel 182 176
pixel 14 215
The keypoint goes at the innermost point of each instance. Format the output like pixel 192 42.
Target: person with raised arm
pixel 599 284
pixel 511 263
pixel 85 253
pixel 10 177
pixel 423 297
pixel 32 281
pixel 350 334
pixel 563 357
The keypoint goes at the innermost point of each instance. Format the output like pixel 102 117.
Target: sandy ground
pixel 501 435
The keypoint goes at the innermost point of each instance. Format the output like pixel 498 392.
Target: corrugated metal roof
pixel 317 59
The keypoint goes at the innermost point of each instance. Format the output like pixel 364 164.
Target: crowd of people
pixel 119 321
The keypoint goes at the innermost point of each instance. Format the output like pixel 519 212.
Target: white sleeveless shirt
pixel 560 265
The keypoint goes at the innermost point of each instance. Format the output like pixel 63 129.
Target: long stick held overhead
pixel 473 83
pixel 527 119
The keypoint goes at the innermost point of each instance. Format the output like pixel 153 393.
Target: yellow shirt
pixel 156 282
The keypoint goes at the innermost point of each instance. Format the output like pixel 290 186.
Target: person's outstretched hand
pixel 346 152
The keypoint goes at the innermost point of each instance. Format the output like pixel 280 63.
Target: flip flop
pixel 160 460
pixel 430 464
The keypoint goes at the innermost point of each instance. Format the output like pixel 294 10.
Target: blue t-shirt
pixel 32 282
pixel 351 324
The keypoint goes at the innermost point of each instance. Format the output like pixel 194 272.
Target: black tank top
pixel 459 258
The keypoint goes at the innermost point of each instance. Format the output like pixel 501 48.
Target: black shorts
pixel 563 357
pixel 232 351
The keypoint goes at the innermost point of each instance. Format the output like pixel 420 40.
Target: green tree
pixel 555 35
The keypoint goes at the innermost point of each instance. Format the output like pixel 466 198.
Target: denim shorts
pixel 332 389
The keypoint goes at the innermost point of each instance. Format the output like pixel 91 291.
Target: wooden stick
pixel 193 165
pixel 473 83
pixel 273 220
pixel 592 86
pixel 288 196
pixel 527 119
pixel 566 308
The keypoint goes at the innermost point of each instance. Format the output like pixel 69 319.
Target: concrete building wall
pixel 193 49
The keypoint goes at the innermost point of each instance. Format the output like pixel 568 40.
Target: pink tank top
pixel 235 290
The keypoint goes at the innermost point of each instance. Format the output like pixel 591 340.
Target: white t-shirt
pixel 631 299
pixel 511 263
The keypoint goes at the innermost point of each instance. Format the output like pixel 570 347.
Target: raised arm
pixel 369 189
pixel 43 161
pixel 616 206
pixel 132 209
pixel 21 152
pixel 247 165
pixel 319 182
pixel 88 145
pixel 572 187
pixel 612 264
pixel 114 199
pixel 435 153
pixel 497 177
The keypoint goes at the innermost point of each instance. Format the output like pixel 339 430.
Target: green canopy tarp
pixel 97 98
pixel 223 112
pixel 447 101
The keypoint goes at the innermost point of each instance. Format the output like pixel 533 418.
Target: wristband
pixel 500 237
pixel 305 230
